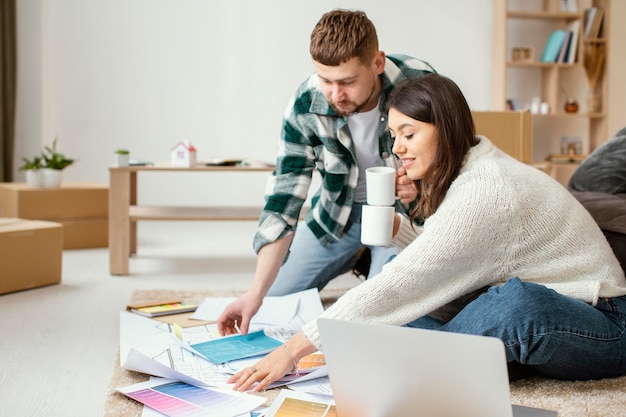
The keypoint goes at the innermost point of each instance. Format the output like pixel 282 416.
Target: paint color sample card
pixel 290 403
pixel 292 407
pixel 232 348
pixel 164 309
pixel 178 399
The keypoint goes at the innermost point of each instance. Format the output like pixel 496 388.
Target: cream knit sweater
pixel 500 219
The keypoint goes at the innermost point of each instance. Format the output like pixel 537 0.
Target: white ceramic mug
pixel 380 184
pixel 377 225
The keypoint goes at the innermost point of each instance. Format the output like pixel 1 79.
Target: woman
pixel 504 251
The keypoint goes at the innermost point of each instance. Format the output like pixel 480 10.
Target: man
pixel 334 124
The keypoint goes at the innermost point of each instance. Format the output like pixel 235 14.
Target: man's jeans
pixel 549 333
pixel 311 265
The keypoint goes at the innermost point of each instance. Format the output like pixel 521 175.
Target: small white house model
pixel 183 154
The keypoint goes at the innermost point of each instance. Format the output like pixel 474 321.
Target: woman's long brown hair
pixel 437 100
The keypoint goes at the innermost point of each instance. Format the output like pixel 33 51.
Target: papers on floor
pixel 318 386
pixel 178 399
pixel 150 346
pixel 275 311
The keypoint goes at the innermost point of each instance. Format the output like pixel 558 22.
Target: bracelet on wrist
pixel 295 364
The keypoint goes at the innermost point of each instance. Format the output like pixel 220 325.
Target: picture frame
pixel 571 145
pixel 523 54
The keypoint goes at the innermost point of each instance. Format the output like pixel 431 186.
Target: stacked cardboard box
pixel 82 209
pixel 30 254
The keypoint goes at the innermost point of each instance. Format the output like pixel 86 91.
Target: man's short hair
pixel 341 35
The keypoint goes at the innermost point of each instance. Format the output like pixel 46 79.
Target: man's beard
pixel 345 113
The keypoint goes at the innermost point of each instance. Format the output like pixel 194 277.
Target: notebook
pixel 378 371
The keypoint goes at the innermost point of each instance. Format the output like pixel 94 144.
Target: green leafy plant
pixel 122 151
pixel 32 164
pixel 54 159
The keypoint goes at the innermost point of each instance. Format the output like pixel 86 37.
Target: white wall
pixel 145 74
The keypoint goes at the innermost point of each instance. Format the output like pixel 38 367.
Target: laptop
pixel 379 371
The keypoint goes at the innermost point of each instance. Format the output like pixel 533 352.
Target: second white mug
pixel 377 225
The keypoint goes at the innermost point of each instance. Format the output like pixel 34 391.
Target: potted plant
pixel 54 163
pixel 34 174
pixel 123 157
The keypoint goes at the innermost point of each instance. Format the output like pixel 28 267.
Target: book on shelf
pixel 596 27
pixel 593 17
pixel 553 46
pixel 161 308
pixel 574 29
pixel 566 47
pixel 588 16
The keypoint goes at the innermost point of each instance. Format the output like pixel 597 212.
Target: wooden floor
pixel 58 343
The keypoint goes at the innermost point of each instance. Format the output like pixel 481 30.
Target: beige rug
pixel 602 398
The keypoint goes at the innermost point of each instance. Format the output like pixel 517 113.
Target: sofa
pixel 599 184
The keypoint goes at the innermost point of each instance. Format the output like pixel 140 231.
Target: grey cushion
pixel 609 211
pixel 604 170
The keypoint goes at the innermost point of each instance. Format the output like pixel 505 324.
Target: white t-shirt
pixel 364 130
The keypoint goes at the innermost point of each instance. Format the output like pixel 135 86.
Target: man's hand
pixel 405 189
pixel 236 317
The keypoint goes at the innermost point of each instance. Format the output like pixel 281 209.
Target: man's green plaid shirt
pixel 313 137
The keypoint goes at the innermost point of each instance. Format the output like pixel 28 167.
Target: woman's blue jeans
pixel 311 265
pixel 551 334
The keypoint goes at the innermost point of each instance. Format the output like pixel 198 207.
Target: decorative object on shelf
pixel 512 104
pixel 535 105
pixel 523 54
pixel 183 154
pixel 571 105
pixel 122 157
pixel 34 174
pixel 594 57
pixel 571 145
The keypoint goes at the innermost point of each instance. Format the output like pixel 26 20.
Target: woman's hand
pixel 405 189
pixel 274 366
pixel 269 369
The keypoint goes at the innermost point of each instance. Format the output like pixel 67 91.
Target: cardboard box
pixel 85 233
pixel 82 208
pixel 30 254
